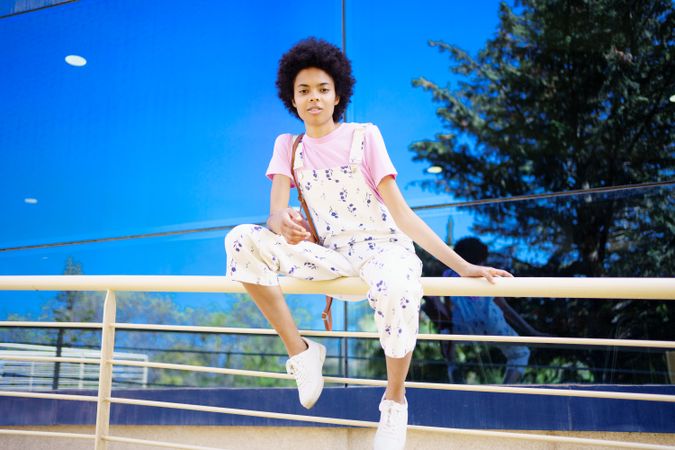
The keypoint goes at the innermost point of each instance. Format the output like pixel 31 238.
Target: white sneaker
pixel 393 425
pixel 306 368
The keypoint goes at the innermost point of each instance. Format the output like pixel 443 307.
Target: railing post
pixel 105 371
pixel 57 364
pixel 345 348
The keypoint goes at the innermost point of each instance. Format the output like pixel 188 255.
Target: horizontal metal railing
pixel 637 343
pixel 600 288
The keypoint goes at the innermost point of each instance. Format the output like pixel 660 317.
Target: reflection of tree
pixel 367 358
pixel 249 352
pixel 567 96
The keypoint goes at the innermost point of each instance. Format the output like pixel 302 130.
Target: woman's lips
pixel 314 110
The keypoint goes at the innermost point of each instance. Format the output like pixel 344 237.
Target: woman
pixel 363 228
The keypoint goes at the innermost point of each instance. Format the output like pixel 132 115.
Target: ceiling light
pixel 435 169
pixel 75 60
pixel 30 201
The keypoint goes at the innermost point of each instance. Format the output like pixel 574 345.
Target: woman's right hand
pixel 290 224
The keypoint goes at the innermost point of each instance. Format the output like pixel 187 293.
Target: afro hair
pixel 313 52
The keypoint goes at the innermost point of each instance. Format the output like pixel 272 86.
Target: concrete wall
pixel 304 438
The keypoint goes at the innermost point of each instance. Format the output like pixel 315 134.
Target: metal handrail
pixel 324 420
pixel 145 327
pixel 632 288
pixel 549 287
pixel 369 382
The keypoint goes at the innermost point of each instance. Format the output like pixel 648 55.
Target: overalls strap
pixel 297 158
pixel 358 144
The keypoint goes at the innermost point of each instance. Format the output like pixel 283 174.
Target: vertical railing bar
pixel 345 347
pixel 105 371
pixel 81 381
pixel 57 364
pixel 32 374
pixel 145 373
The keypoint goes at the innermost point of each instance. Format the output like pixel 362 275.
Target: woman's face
pixel 314 96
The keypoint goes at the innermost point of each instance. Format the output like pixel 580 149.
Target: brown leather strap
pixel 326 315
pixel 308 216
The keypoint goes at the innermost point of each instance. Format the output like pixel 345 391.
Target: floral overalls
pixel 358 238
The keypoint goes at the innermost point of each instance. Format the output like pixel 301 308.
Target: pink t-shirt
pixel 332 150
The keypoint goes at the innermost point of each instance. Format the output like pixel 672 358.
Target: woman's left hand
pixel 490 273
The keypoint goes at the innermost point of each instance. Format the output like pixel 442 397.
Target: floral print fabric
pixel 358 238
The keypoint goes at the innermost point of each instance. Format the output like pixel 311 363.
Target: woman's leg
pixel 393 277
pixel 255 256
pixel 397 370
pixel 272 304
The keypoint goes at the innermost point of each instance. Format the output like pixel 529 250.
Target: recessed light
pixel 30 201
pixel 75 60
pixel 435 169
pixel 672 98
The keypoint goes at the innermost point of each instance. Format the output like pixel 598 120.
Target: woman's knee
pixel 407 292
pixel 239 236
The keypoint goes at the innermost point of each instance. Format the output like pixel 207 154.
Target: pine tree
pixel 568 95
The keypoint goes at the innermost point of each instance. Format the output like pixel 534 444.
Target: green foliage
pixel 249 352
pixel 427 363
pixel 369 361
pixel 569 95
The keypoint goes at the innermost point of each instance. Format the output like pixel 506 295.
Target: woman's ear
pixel 337 100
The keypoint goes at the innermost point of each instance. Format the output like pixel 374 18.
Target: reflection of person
pixel 479 315
pixel 363 229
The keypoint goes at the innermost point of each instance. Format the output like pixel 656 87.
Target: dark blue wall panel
pixel 427 407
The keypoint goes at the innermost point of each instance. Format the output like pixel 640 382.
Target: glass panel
pixel 162 128
pixel 174 111
pixel 168 125
pixel 190 254
pixel 12 7
pixel 639 223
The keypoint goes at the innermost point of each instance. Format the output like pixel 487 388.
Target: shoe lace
pixel 390 423
pixel 295 368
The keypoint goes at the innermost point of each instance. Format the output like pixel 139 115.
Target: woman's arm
pixel 411 224
pixel 284 220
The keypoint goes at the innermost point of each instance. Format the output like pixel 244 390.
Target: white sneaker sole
pixel 317 392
